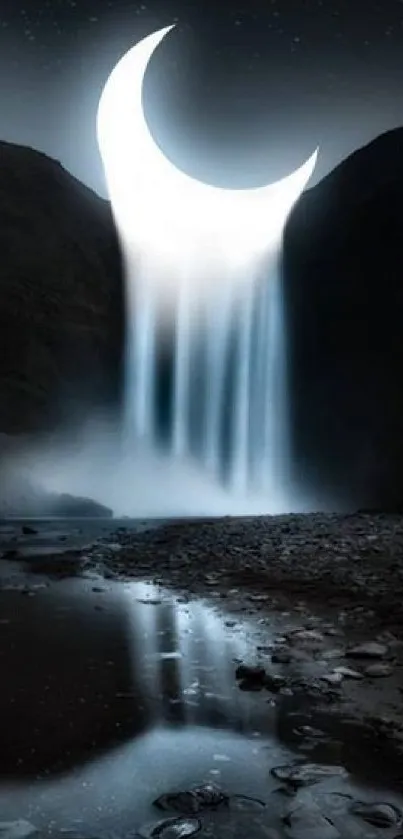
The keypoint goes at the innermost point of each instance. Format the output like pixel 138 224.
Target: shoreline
pixel 350 560
pixel 328 581
pixel 311 586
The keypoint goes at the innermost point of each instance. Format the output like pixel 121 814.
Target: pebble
pixel 305 774
pixel 193 800
pixel 348 673
pixel 332 678
pixel 254 674
pixel 245 802
pixel 327 655
pixel 371 649
pixel 379 670
pixel 378 814
pixel 309 731
pixel 173 828
pixel 306 637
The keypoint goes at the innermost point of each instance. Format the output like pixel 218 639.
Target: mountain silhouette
pixel 343 281
pixel 61 305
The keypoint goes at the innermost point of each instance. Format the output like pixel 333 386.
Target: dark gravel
pixel 326 559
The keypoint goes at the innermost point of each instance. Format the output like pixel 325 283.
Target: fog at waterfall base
pixel 146 484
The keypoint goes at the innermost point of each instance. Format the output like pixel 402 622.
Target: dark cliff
pixel 61 300
pixel 343 279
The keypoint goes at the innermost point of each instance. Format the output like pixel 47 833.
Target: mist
pixel 146 483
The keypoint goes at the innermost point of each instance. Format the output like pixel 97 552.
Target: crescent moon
pixel 157 204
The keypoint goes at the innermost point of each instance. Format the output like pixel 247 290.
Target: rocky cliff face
pixel 61 309
pixel 343 276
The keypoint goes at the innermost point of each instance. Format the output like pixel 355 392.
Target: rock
pixel 259 598
pixel 332 678
pixel 309 731
pixel 204 797
pixel 379 670
pixel 211 580
pixel 305 821
pixel 348 673
pixel 21 497
pixel 76 506
pixel 378 814
pixel 246 802
pixel 371 649
pixel 19 829
pixel 305 774
pixel 255 675
pixel 170 829
pixel 149 601
pixel 306 637
pixel 328 655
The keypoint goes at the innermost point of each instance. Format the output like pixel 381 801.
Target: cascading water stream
pixel 239 383
pixel 217 344
pixel 226 379
pixel 181 433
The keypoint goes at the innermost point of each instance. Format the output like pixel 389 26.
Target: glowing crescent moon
pixel 157 204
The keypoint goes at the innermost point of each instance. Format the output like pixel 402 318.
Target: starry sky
pixel 239 94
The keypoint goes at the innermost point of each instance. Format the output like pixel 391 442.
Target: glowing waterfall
pixel 198 290
pixel 227 402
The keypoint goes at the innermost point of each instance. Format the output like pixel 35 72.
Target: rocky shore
pixel 332 561
pixel 300 616
pixel 324 592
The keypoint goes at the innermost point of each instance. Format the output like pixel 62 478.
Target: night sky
pixel 236 97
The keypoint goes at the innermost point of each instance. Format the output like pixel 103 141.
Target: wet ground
pixel 114 693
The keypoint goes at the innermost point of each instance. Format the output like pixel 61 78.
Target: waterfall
pixel 226 382
pixel 139 373
pixel 227 403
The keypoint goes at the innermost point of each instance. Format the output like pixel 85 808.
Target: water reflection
pixel 65 670
pixel 82 668
pixel 186 658
pixel 111 697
